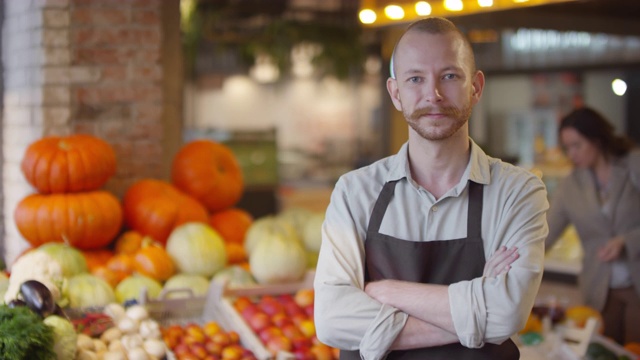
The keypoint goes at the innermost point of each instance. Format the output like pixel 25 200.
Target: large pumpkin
pixel 210 172
pixel 68 164
pixel 154 208
pixel 85 220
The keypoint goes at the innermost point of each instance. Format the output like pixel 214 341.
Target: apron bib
pixel 440 262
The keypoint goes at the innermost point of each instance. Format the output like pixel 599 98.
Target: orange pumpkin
pixel 86 220
pixel 154 208
pixel 231 224
pixel 68 164
pixel 210 172
pixel 128 242
pixel 96 258
pixel 633 346
pixel 112 277
pixel 235 253
pixel 153 261
pixel 122 263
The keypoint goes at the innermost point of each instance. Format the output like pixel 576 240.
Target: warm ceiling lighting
pixel 423 8
pixel 389 12
pixel 619 87
pixel 453 5
pixel 367 16
pixel 394 12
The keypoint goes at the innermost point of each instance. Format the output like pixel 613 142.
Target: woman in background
pixel 601 198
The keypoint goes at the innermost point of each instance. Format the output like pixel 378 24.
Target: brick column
pixel 84 66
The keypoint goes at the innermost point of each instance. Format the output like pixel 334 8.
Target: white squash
pixel 196 248
pixel 88 290
pixel 261 228
pixel 312 232
pixel 276 259
pixel 297 217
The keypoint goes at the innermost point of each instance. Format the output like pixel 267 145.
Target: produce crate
pixel 613 346
pixel 217 306
pixel 189 308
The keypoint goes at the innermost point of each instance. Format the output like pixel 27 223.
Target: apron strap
pixel 381 206
pixel 474 210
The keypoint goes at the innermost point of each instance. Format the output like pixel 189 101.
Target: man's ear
pixel 392 88
pixel 477 85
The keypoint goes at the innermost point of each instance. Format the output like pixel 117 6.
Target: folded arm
pixel 430 322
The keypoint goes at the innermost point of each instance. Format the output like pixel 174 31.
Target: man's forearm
pixel 419 334
pixel 425 302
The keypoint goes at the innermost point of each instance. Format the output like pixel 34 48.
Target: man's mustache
pixel 447 111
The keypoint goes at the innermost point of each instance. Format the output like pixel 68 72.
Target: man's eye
pixel 414 79
pixel 449 76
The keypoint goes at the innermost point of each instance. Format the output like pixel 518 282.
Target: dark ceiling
pixel 610 16
pixel 620 17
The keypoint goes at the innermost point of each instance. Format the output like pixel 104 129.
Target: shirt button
pixel 434 209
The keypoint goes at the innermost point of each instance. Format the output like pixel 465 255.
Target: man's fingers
pixel 500 262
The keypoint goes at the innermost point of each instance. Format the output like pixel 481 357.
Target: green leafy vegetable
pixel 23 335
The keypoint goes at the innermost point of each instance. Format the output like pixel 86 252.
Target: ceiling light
pixel 619 87
pixel 367 16
pixel 453 5
pixel 423 8
pixel 394 12
pixel 485 3
pixel 520 1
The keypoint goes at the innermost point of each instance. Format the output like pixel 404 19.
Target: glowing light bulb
pixel 423 8
pixel 485 3
pixel 394 12
pixel 453 5
pixel 367 16
pixel 619 87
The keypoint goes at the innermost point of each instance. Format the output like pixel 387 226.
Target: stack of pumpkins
pixel 162 234
pixel 69 206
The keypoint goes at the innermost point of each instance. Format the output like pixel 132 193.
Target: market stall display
pixel 180 278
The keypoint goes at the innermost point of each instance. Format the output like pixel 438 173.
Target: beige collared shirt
pixel 483 309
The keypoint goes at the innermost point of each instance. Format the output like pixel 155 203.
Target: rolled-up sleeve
pixel 493 309
pixel 345 316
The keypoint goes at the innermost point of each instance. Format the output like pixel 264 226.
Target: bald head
pixel 436 26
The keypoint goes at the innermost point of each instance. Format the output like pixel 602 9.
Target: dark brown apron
pixel 435 262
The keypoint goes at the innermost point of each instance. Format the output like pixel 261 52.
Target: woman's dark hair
pixel 592 125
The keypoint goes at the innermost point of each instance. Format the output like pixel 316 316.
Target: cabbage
pixel 198 284
pixel 297 217
pixel 87 290
pixel 64 337
pixel 4 285
pixel 312 232
pixel 70 259
pixel 277 259
pixel 132 286
pixel 196 248
pixel 234 276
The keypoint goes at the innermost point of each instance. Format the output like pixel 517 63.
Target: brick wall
pixel 83 66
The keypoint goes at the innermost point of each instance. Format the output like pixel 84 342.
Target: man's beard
pixel 456 118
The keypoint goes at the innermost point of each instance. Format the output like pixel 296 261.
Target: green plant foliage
pixel 342 51
pixel 23 335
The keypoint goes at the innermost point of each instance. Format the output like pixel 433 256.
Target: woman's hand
pixel 500 262
pixel 612 249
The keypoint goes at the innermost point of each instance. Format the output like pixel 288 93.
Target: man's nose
pixel 432 92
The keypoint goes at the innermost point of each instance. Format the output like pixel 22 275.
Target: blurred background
pixel 296 88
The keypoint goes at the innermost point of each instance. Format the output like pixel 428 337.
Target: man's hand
pixel 500 262
pixel 612 249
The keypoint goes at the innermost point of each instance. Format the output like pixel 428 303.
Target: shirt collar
pixel 478 169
